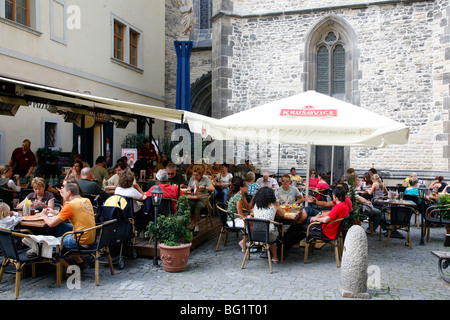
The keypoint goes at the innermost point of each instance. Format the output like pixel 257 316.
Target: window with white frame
pixel 20 13
pixel 127 44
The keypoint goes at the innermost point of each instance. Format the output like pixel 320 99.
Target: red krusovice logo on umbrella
pixel 308 111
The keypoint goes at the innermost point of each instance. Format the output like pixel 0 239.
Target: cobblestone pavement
pixel 405 274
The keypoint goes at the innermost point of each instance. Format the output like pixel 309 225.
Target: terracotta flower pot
pixel 175 259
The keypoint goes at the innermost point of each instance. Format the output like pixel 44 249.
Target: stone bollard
pixel 353 282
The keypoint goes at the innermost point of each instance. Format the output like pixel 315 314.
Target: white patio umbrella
pixel 307 118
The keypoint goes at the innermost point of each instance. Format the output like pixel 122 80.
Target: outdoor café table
pixel 198 196
pixel 291 215
pixel 397 202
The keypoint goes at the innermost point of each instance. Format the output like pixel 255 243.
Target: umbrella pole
pixel 278 165
pixel 179 173
pixel 308 165
pixel 332 165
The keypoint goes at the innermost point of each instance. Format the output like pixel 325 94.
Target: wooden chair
pixel 18 258
pixel 397 218
pixel 437 216
pixel 101 246
pixel 258 235
pixel 224 216
pixel 338 243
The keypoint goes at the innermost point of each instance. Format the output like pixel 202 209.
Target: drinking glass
pixel 15 203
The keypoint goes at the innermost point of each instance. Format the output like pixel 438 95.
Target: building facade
pixel 391 57
pixel 105 48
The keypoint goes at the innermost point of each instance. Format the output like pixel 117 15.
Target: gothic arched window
pixel 331 60
pixel 331 66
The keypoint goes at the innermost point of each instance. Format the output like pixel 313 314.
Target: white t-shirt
pixel 288 196
pixel 130 193
pixel 224 179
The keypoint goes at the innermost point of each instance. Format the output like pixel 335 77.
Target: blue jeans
pixel 224 192
pixel 69 240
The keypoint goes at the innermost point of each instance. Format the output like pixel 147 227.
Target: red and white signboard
pixel 308 111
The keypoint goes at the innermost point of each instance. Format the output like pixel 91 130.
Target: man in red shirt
pixel 23 160
pixel 340 210
pixel 297 230
pixel 170 191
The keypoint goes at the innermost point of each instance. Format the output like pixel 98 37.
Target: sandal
pixel 275 260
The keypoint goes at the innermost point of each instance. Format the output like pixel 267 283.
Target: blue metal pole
pixel 183 50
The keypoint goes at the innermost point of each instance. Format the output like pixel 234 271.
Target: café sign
pixel 309 111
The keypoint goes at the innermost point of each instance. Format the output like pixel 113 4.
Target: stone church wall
pixel 258 50
pixel 403 57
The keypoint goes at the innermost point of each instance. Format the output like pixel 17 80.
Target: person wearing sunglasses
pixel 289 194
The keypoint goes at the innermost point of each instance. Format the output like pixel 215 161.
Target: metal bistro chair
pixel 397 218
pixel 337 242
pixel 437 216
pixel 258 235
pixel 224 216
pixel 101 246
pixel 414 199
pixel 19 258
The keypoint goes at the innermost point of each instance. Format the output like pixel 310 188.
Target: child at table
pixel 8 219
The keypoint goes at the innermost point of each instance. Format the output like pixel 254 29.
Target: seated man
pixel 99 171
pixel 80 213
pixel 88 186
pixel 340 210
pixel 169 190
pixel 175 177
pixel 289 194
pixel 266 181
pixel 297 230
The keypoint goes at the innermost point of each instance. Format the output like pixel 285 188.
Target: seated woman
pixel 253 186
pixel 413 188
pixel 438 184
pixel 42 199
pixel 265 207
pixel 127 189
pixel 39 173
pixel 224 178
pixel 313 180
pixel 322 184
pixel 75 171
pixel 6 172
pixel 378 189
pixel 198 183
pixel 238 203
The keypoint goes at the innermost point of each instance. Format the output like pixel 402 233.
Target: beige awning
pixel 37 92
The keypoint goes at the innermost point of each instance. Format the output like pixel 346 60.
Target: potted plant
pixel 174 236
pixel 444 199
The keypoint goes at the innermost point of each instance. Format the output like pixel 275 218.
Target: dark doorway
pixel 201 95
pixel 323 161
